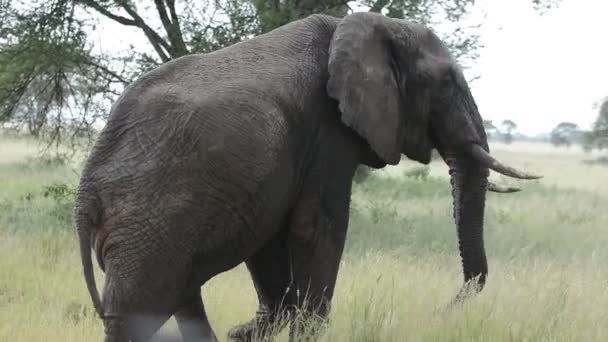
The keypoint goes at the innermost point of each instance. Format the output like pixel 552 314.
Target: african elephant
pixel 247 154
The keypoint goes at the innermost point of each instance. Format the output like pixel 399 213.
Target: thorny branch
pixel 162 48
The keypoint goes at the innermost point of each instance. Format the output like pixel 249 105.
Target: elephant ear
pixel 363 80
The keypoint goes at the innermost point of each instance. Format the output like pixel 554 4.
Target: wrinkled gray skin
pixel 248 153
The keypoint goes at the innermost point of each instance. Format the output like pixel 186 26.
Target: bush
pixel 361 174
pixel 599 161
pixel 418 172
pixel 60 192
pixel 63 195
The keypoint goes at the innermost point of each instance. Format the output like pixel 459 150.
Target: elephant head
pixel 400 89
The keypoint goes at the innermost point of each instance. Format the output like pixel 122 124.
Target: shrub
pixel 63 195
pixel 599 161
pixel 418 172
pixel 361 174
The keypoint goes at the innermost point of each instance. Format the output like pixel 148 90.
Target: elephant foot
pixel 243 333
pixel 250 331
pixel 308 327
pixel 261 328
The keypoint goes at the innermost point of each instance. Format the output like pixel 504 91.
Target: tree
pixel 564 134
pixel 597 138
pixel 489 128
pixel 508 127
pixel 54 82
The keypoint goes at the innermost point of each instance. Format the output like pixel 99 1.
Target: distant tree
pixel 508 128
pixel 489 128
pixel 597 138
pixel 564 134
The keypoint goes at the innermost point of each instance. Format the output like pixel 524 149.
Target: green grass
pixel 547 248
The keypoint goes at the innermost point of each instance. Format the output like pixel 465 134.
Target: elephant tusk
pixel 485 159
pixel 502 188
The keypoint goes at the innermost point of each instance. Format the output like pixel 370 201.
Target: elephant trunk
pixel 469 182
pixel 469 171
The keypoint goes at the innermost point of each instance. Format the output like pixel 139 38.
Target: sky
pixel 536 70
pixel 541 70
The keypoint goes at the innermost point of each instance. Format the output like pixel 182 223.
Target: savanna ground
pixel 547 248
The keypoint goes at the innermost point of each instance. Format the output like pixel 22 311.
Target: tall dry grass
pixel 546 247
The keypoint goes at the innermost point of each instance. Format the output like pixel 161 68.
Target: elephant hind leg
pixel 138 326
pixel 192 321
pixel 126 315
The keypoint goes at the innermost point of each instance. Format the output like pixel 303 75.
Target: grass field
pixel 547 248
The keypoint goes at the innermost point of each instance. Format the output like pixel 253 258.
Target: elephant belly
pixel 235 210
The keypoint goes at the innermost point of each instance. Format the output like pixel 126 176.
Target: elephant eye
pixel 447 77
pixel 446 83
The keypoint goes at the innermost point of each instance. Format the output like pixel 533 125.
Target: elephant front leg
pixel 295 273
pixel 315 243
pixel 269 269
pixel 315 265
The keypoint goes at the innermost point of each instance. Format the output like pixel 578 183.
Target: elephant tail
pixel 85 217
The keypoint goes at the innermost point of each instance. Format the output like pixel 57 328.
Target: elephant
pixel 247 154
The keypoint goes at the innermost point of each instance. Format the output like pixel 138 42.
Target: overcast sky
pixel 535 70
pixel 541 70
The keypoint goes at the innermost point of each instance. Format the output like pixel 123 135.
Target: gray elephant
pixel 247 154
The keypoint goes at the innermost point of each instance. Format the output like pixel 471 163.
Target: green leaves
pixel 39 50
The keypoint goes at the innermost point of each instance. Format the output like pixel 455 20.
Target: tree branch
pixel 378 5
pixel 171 5
pixel 157 46
pixel 307 7
pixel 172 28
pixel 99 8
pixel 176 25
pixel 158 43
pixel 108 71
pixel 162 13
